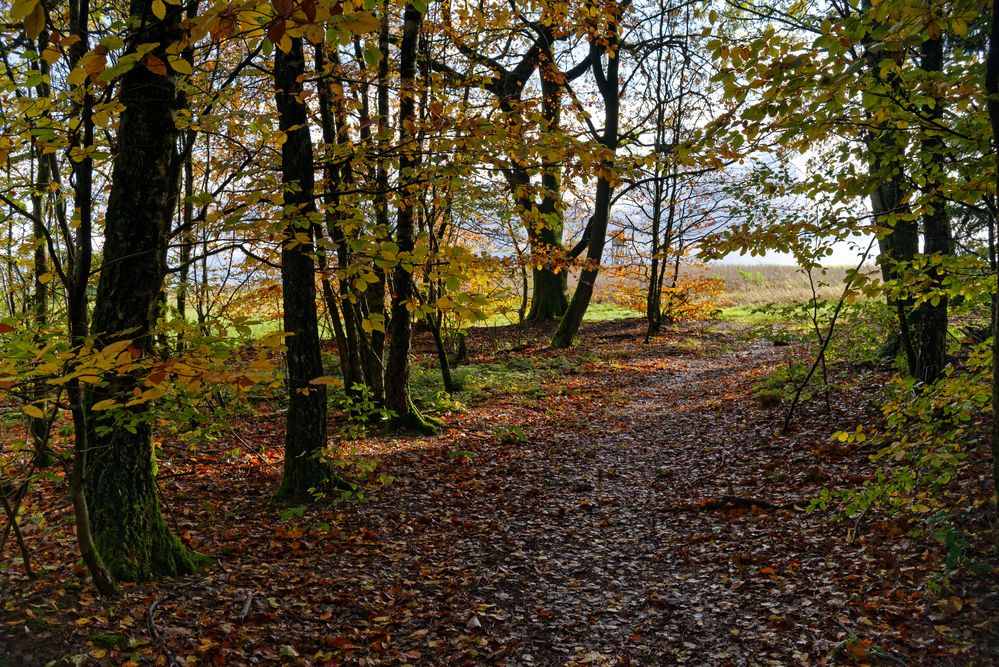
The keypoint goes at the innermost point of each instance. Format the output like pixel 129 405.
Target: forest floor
pixel 633 504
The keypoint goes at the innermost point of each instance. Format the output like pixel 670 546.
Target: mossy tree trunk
pixel 305 432
pixel 550 299
pixel 129 531
pixel 543 223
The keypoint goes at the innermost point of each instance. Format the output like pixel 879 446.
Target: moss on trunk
pixel 129 532
pixel 550 299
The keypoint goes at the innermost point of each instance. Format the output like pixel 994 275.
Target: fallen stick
pixel 154 633
pixel 246 607
pixel 741 502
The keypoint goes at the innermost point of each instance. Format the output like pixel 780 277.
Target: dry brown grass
pixel 745 285
pixel 760 284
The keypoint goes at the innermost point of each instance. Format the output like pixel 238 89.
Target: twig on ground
pixel 253 449
pixel 740 502
pixel 154 633
pixel 246 607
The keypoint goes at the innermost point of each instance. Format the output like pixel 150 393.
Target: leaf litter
pixel 647 512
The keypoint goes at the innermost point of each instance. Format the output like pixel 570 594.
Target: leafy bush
pixel 928 434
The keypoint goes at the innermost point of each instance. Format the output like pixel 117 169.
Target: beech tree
pixel 604 44
pixel 866 83
pixel 400 330
pixel 505 75
pixel 130 534
pixel 305 424
pixel 992 104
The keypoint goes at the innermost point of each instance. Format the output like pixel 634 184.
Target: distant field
pixel 749 285
pixel 761 284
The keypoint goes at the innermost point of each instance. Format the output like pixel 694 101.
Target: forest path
pixel 613 550
pixel 603 516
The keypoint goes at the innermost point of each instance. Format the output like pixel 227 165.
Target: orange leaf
pixel 859 648
pixel 154 64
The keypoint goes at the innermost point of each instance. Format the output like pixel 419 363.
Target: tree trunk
pixel 610 92
pixel 77 311
pixel 544 236
pixel 549 299
pixel 305 432
pixel 400 328
pixel 992 97
pixel 897 250
pixel 130 533
pixel 332 114
pixel 898 242
pixel 186 243
pixel 931 316
pixel 548 296
pixel 38 427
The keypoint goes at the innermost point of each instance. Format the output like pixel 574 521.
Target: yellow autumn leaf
pixel 159 9
pixel 51 54
pixel 314 33
pixel 22 8
pixel 113 349
pixel 153 393
pixel 361 23
pixel 34 22
pixel 180 65
pixel 106 404
pixel 325 380
pixel 77 76
pixel 33 411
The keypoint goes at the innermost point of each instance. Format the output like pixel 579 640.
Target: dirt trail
pixel 616 525
pixel 610 555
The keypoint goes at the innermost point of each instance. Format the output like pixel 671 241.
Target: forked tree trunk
pixel 610 91
pixel 305 430
pixel 129 531
pixel 549 299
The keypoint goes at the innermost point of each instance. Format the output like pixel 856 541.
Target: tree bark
pixel 130 533
pixel 610 91
pixel 400 328
pixel 332 114
pixel 931 316
pixel 305 432
pixel 39 427
pixel 992 97
pixel 549 299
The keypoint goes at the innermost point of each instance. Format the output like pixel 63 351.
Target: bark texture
pixel 992 91
pixel 400 328
pixel 305 434
pixel 931 316
pixel 610 91
pixel 129 531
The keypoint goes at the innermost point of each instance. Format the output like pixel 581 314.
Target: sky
pixel 845 253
